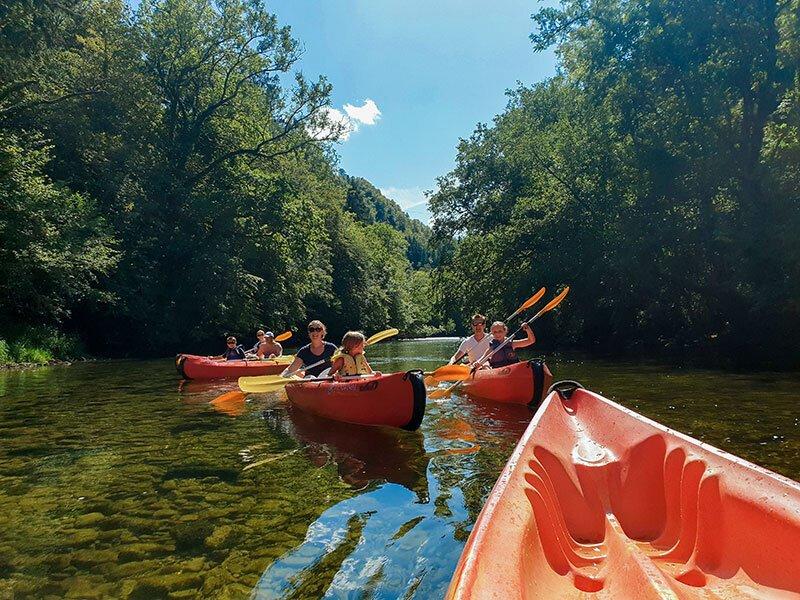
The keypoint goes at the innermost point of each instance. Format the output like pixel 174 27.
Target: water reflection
pixel 363 454
pixel 117 482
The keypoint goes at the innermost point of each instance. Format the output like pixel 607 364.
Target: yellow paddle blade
pixel 283 337
pixel 430 381
pixel 233 396
pixel 264 383
pixel 381 335
pixel 283 359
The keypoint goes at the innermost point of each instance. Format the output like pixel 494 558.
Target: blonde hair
pixel 260 332
pixel 352 339
pixel 498 324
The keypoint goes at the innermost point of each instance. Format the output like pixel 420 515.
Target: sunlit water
pixel 118 481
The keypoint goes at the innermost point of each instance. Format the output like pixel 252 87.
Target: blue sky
pixel 432 68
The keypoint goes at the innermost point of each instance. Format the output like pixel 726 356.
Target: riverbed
pixel 119 480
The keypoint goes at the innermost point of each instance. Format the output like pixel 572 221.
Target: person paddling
pixel 505 355
pixel 232 352
pixel 317 350
pixel 475 345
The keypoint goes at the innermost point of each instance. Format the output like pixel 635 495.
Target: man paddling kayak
pixel 266 346
pixel 475 345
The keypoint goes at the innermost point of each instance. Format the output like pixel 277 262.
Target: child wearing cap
pixel 232 352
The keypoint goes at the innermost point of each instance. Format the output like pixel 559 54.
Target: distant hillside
pixel 369 205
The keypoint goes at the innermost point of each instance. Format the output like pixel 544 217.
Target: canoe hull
pixel 190 366
pixel 520 383
pixel 393 400
pixel 597 501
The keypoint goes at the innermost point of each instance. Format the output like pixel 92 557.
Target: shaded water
pixel 117 481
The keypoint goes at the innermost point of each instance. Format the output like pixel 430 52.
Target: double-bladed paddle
pixel 270 383
pixel 437 394
pixel 452 372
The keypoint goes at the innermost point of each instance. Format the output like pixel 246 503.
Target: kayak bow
pixel 599 502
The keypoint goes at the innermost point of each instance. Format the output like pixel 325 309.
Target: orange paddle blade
pixel 445 392
pixel 555 301
pixel 532 300
pixel 283 337
pixel 451 372
pixel 233 396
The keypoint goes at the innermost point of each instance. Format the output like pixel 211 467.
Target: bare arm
pixel 337 364
pixel 529 341
pixel 296 364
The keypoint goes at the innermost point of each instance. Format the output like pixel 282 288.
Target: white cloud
pixel 367 114
pixel 336 117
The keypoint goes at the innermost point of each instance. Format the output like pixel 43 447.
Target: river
pixel 118 480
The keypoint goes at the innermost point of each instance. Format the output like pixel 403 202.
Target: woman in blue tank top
pixel 317 351
pixel 506 355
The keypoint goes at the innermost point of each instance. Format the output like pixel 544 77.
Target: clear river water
pixel 117 480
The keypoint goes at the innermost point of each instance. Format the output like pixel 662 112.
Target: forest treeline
pixel 658 173
pixel 167 177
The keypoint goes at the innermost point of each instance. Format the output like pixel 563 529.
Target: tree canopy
pixel 657 174
pixel 168 179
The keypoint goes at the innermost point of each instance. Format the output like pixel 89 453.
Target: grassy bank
pixel 39 347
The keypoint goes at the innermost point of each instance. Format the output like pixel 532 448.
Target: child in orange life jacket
pixel 350 359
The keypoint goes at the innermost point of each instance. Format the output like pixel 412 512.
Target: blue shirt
pixel 505 356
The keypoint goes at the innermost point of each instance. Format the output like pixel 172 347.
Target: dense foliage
pixel 657 173
pixel 166 178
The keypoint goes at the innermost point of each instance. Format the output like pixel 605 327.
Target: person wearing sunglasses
pixel 266 346
pixel 232 352
pixel 475 345
pixel 318 350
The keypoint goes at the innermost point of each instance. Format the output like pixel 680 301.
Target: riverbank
pixel 33 348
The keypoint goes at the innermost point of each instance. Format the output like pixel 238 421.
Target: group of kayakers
pixel 265 348
pixel 480 348
pixel 322 358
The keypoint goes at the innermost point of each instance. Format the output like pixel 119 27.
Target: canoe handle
pixel 565 388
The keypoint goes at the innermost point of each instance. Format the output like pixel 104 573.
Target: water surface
pixel 117 480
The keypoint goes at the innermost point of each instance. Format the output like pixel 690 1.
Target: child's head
pixel 499 330
pixel 231 341
pixel 353 342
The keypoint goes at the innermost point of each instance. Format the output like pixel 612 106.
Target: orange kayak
pixel 394 400
pixel 520 383
pixel 201 367
pixel 599 502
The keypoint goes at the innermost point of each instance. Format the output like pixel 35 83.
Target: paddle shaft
pixel 522 307
pixel 550 306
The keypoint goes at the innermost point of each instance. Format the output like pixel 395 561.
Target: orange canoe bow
pixel 599 502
